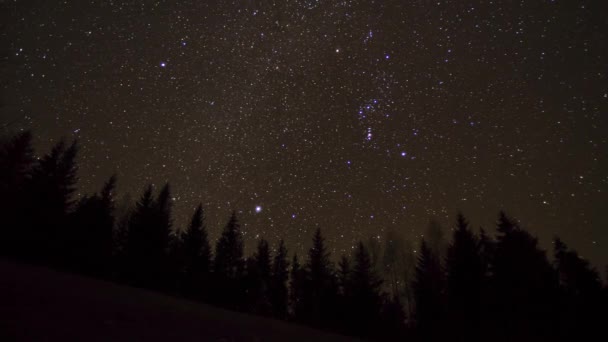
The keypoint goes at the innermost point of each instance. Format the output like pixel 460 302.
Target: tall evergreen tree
pixel 50 192
pixel 196 256
pixel 582 303
pixel 278 285
pixel 229 264
pixel 523 283
pixel 16 162
pixel 365 293
pixel 344 275
pixel 139 248
pixel 297 285
pixel 464 282
pixel 89 237
pixel 321 289
pixel 345 298
pixel 259 277
pixel 429 293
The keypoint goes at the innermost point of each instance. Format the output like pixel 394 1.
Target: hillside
pixel 39 304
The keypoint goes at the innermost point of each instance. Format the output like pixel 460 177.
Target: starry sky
pixel 359 117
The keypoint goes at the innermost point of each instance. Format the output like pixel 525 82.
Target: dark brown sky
pixel 355 116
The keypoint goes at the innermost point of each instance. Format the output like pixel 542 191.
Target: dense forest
pixel 473 287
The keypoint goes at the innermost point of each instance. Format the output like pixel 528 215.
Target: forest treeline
pixel 474 287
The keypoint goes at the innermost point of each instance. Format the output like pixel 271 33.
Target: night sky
pixel 359 117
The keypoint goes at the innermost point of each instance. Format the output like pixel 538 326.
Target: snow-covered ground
pixel 38 304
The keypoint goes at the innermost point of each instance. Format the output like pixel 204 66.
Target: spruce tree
pixel 261 273
pixel 229 264
pixel 50 191
pixel 581 305
pixel 89 238
pixel 429 293
pixel 523 283
pixel 464 281
pixel 138 246
pixel 321 289
pixel 297 286
pixel 365 293
pixel 278 285
pixel 196 256
pixel 16 162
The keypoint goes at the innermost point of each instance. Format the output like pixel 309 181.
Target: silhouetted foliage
pixel 50 198
pixel 500 288
pixel 464 279
pixel 229 265
pixel 258 279
pixel 582 301
pixel 523 283
pixel 196 256
pixel 278 282
pixel 16 162
pixel 429 293
pixel 90 237
pixel 320 288
pixel 148 240
pixel 364 294
pixel 297 284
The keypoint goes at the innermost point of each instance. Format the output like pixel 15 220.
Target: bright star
pixel 258 209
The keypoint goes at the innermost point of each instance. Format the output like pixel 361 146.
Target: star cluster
pixel 355 116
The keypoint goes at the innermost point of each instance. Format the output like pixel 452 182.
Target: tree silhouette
pixel 429 293
pixel 321 288
pixel 297 285
pixel 258 279
pixel 90 236
pixel 278 282
pixel 364 294
pixel 344 274
pixel 16 161
pixel 345 303
pixel 49 194
pixel 196 256
pixel 501 288
pixel 581 294
pixel 464 280
pixel 229 264
pixel 139 247
pixel 523 283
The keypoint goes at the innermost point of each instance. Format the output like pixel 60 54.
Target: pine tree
pixel 259 271
pixel 345 297
pixel 365 293
pixel 50 192
pixel 321 289
pixel 89 238
pixel 581 307
pixel 16 162
pixel 278 288
pixel 196 256
pixel 160 239
pixel 344 275
pixel 523 283
pixel 464 281
pixel 138 246
pixel 229 264
pixel 297 284
pixel 429 293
